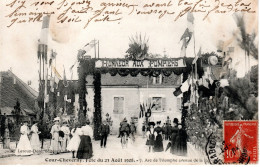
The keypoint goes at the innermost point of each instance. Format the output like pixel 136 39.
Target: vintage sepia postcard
pixel 129 82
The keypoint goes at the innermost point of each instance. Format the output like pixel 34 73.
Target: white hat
pixel 57 119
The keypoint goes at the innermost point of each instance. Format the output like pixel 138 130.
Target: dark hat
pixel 175 120
pixel 158 122
pixel 35 122
pixel 151 123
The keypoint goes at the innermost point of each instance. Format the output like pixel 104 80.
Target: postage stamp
pixel 241 142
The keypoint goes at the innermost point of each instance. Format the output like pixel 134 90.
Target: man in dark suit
pixel 104 131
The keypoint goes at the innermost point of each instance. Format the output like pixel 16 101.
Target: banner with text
pixel 155 63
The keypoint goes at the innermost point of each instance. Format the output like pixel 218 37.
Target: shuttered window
pixel 118 105
pixel 159 104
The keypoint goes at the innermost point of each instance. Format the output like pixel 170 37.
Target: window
pixel 179 101
pixel 159 104
pixel 118 105
pixel 157 80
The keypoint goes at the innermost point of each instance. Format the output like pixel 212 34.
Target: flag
pixel 65 82
pixel 177 91
pixel 56 73
pixel 190 17
pixel 190 22
pixel 197 56
pixel 53 56
pixel 183 88
pixel 89 46
pixel 44 38
pixel 185 85
pixel 45 29
pixel 186 34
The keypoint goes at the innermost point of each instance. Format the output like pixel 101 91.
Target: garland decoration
pixel 97 103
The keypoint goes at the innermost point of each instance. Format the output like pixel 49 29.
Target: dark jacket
pixel 104 129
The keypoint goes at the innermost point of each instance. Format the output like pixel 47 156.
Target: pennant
pixel 197 56
pixel 56 73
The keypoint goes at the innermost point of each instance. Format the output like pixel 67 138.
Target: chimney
pixel 14 79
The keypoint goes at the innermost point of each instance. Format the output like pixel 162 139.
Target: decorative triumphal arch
pixel 146 67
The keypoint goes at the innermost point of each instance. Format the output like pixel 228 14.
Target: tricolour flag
pixel 44 38
pixel 183 88
pixel 186 37
pixel 45 30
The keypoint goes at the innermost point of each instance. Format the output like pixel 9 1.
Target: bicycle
pixel 132 137
pixel 124 140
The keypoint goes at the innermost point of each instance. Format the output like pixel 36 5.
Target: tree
pixel 17 111
pixel 246 40
pixel 138 48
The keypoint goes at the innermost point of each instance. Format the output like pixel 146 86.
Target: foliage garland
pixel 97 103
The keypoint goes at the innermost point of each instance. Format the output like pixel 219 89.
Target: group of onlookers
pixel 176 135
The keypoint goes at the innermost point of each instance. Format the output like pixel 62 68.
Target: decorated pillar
pixel 97 103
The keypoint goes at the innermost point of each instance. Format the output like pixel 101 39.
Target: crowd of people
pixel 78 139
pixel 175 134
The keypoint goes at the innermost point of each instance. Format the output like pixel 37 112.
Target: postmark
pixel 241 142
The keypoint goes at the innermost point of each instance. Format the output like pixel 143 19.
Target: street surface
pixel 135 153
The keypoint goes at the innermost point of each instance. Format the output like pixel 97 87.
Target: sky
pixel 18 44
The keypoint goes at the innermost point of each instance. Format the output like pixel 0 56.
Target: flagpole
pixel 98 49
pixel 95 48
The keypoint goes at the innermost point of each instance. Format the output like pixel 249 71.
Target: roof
pixel 139 81
pixel 10 92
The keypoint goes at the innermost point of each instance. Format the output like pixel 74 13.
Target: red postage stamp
pixel 241 142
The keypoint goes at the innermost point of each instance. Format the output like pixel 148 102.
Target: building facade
pixel 122 97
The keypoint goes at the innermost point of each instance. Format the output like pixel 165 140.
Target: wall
pixel 132 98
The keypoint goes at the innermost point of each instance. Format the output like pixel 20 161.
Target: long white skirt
pixel 35 142
pixel 74 143
pixel 24 146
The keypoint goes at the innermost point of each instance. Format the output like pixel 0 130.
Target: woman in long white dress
pixel 75 140
pixel 24 146
pixel 35 141
pixel 55 145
